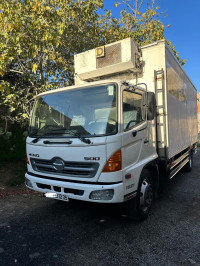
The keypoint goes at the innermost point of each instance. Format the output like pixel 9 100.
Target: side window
pixel 132 112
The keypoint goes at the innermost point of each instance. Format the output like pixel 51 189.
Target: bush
pixel 18 176
pixel 13 146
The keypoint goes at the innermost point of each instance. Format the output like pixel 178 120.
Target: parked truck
pixel 129 121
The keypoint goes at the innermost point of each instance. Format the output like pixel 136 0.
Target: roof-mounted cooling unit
pixel 118 57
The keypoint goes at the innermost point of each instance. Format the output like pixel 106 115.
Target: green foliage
pixel 13 146
pixel 38 39
pixel 18 177
pixel 144 27
pixel 181 61
pixel 141 23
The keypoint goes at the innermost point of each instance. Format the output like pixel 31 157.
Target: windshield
pixel 84 112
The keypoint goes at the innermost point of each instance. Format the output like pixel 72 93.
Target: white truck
pixel 129 120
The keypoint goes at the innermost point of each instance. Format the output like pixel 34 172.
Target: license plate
pixel 57 196
pixel 62 197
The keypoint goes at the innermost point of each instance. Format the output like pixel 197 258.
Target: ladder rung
pixel 159 72
pixel 159 114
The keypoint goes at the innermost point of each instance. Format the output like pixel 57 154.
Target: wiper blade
pixel 39 137
pixel 36 140
pixel 67 130
pixel 47 135
pixel 83 139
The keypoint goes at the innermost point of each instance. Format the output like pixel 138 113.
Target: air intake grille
pixel 71 169
pixel 112 56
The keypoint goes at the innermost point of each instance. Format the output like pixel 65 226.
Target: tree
pixel 141 23
pixel 38 39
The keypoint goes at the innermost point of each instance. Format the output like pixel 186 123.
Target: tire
pixel 189 165
pixel 140 206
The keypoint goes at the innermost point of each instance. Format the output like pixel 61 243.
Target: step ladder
pixel 161 120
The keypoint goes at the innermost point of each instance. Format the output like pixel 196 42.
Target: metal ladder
pixel 161 136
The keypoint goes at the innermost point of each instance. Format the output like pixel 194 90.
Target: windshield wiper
pixel 68 130
pixel 36 140
pixel 47 135
pixel 83 139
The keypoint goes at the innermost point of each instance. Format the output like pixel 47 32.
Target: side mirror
pixel 151 106
pixel 148 105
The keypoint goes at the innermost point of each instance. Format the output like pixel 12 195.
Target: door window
pixel 132 109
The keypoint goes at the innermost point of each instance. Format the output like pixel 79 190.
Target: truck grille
pixel 72 169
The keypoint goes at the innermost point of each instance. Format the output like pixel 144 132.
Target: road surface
pixel 41 231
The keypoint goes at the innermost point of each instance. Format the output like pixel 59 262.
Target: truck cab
pixel 90 142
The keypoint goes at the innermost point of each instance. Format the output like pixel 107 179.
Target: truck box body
pixel 175 93
pixel 179 109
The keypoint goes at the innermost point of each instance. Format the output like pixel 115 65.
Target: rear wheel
pixel 140 206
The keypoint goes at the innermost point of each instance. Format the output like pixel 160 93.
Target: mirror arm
pixel 138 84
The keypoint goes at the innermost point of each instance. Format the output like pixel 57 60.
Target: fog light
pixel 106 194
pixel 28 183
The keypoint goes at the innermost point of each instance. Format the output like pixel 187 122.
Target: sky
pixel 184 32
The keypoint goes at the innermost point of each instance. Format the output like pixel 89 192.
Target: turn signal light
pixel 27 161
pixel 114 163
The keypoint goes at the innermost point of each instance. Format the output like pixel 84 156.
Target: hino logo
pixel 92 158
pixel 58 164
pixel 34 154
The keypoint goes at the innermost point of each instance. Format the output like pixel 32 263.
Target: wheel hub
pixel 146 194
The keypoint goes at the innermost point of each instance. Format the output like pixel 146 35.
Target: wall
pixel 198 111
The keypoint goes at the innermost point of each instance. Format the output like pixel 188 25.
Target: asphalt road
pixel 40 231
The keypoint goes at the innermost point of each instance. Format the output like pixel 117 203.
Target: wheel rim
pixel 146 195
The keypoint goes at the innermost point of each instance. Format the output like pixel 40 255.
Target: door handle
pixel 146 141
pixel 134 133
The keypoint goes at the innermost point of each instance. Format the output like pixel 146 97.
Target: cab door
pixel 134 126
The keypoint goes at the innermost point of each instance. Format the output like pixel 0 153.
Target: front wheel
pixel 140 206
pixel 145 195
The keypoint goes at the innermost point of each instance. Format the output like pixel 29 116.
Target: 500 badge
pixel 92 158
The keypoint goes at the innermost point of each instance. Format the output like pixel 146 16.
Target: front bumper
pixel 77 191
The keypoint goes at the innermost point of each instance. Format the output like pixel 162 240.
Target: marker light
pixel 27 161
pixel 114 163
pixel 28 183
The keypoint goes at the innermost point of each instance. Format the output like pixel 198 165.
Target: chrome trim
pixel 70 168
